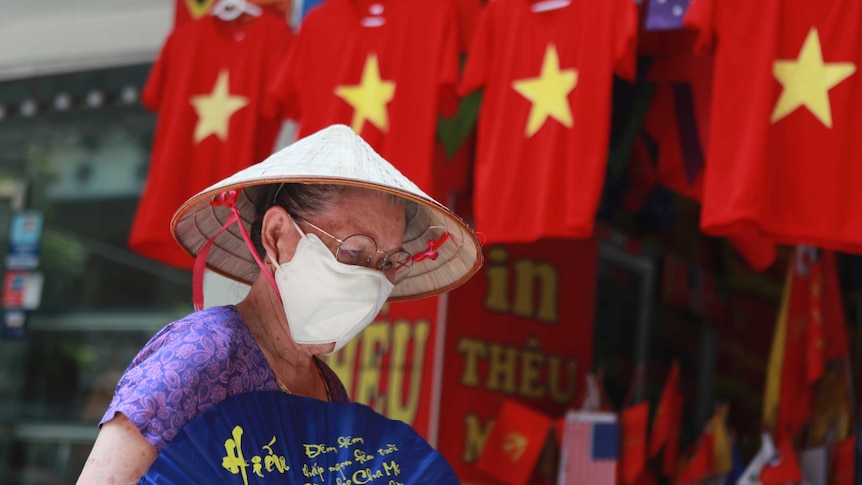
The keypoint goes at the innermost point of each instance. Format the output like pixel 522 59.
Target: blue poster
pixel 24 237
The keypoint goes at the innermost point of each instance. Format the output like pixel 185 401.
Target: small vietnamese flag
pixel 513 446
pixel 666 414
pixel 701 463
pixel 784 468
pixel 843 466
pixel 634 440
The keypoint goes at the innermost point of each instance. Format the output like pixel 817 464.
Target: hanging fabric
pixel 230 10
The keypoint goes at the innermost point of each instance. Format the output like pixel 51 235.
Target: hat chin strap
pixel 225 199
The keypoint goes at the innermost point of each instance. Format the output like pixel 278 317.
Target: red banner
pixel 522 329
pixel 390 365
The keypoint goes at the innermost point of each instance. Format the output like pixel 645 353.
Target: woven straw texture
pixel 334 155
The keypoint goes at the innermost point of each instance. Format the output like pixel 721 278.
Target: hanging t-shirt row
pixel 388 68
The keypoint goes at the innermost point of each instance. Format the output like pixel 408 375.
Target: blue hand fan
pixel 272 437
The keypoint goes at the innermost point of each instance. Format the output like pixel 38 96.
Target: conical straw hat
pixel 334 155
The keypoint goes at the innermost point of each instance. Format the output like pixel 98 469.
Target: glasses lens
pixel 397 266
pixel 357 250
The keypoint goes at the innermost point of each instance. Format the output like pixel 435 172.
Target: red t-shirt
pixel 384 67
pixel 785 155
pixel 544 123
pixel 678 121
pixel 208 86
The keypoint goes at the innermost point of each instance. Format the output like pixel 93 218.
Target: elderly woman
pixel 329 232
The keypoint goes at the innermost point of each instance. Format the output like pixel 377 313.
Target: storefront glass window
pixel 77 147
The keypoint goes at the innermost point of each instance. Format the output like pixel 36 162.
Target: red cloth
pixel 670 458
pixel 633 423
pixel 844 464
pixel 835 341
pixel 701 463
pixel 785 470
pixel 667 414
pixel 195 60
pixel 513 446
pixel 776 167
pixel 641 177
pixel 416 55
pixel 540 175
pixel 678 122
pixel 810 325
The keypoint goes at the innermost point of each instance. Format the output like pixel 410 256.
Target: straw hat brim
pixel 335 155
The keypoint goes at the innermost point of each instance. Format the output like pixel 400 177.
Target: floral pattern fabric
pixel 192 364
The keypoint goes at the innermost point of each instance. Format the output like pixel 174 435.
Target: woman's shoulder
pixel 216 330
pixel 221 324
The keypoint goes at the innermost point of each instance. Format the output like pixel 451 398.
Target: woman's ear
pixel 279 234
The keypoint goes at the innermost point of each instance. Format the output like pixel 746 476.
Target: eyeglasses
pixel 361 250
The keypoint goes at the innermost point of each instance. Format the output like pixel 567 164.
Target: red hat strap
pixel 225 199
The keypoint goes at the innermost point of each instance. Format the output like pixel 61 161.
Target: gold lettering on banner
pixel 562 379
pixel 386 365
pixel 532 280
pixel 406 373
pixel 502 366
pixel 497 270
pixel 525 372
pixel 475 436
pixel 374 344
pixel 532 363
pixel 474 351
pixel 529 275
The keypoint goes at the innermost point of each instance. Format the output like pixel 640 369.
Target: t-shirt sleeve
pixel 273 108
pixel 479 54
pixel 152 93
pixel 179 373
pixel 625 42
pixel 700 16
pixel 283 92
pixel 449 64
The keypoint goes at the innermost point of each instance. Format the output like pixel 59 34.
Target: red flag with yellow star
pixel 546 72
pixel 810 330
pixel 207 87
pixel 784 153
pixel 512 448
pixel 386 68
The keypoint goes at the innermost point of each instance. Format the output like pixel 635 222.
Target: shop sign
pixel 13 324
pixel 24 235
pixel 521 329
pixel 390 365
pixel 22 289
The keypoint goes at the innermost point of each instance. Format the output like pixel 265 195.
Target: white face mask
pixel 324 300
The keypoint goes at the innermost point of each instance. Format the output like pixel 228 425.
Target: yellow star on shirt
pixel 198 8
pixel 215 109
pixel 807 80
pixel 549 92
pixel 368 98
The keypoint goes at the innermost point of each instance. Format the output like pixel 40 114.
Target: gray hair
pixel 303 200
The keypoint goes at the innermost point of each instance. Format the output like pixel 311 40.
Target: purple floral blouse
pixel 192 364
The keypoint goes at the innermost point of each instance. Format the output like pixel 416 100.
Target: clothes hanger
pixel 546 5
pixel 229 10
pixel 375 16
